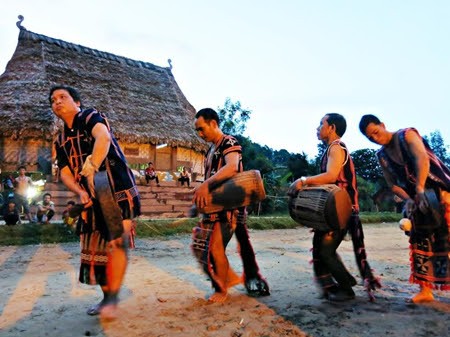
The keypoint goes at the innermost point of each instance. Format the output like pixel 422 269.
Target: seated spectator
pixel 46 209
pixel 185 176
pixel 11 213
pixel 150 174
pixel 65 215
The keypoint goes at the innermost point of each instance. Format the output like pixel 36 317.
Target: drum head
pixel 339 208
pixel 322 207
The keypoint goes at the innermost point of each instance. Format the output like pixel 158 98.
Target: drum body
pixel 242 189
pixel 322 207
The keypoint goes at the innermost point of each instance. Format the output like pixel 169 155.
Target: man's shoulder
pixel 229 140
pixel 90 116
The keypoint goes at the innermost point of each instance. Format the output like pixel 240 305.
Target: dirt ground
pixel 164 293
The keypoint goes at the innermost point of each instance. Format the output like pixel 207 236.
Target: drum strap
pixel 110 209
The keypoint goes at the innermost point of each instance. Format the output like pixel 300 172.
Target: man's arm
pixel 422 164
pixel 69 180
pixel 100 150
pixel 335 162
pixel 227 171
pixel 421 159
pixel 101 145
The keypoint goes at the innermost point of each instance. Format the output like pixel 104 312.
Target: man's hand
pixel 200 195
pixel 88 171
pixel 422 202
pixel 85 199
pixel 409 207
pixel 295 186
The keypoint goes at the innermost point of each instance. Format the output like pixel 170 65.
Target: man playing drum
pixel 223 161
pixel 337 168
pixel 86 150
pixel 417 176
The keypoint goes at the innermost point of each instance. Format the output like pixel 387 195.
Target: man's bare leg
pixel 115 271
pixel 221 265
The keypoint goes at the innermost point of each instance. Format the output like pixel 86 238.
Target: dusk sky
pixel 290 62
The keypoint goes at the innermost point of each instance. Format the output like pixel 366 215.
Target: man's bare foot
pixel 108 312
pixel 218 297
pixel 425 295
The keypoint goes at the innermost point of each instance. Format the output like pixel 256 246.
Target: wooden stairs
pixel 165 201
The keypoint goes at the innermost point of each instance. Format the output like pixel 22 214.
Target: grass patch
pixel 28 234
pixel 379 217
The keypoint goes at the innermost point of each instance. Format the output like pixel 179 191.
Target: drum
pixel 434 215
pixel 321 207
pixel 243 189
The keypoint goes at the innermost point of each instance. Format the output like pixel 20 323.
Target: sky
pixel 288 61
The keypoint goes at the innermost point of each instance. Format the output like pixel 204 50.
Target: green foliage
pixel 253 156
pixel 437 144
pixel 165 227
pixel 366 189
pixel 233 118
pixel 379 217
pixel 321 148
pixel 299 165
pixel 367 165
pixel 29 234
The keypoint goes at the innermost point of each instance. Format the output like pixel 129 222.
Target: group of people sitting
pixel 45 211
pixel 150 174
pixel 17 202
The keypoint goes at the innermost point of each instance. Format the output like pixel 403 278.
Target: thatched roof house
pixel 143 102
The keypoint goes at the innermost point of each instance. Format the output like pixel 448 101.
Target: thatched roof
pixel 142 101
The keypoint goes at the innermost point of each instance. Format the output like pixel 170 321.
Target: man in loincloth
pixel 86 148
pixel 210 239
pixel 417 176
pixel 337 168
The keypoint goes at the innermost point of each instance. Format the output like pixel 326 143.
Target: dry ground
pixel 164 293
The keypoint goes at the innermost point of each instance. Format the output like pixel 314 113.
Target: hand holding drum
pixel 321 207
pixel 243 189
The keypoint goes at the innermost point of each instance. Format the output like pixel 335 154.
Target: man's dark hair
pixel 338 121
pixel 72 92
pixel 208 115
pixel 45 194
pixel 22 167
pixel 71 202
pixel 366 120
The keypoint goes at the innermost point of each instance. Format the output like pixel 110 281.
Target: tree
pixel 436 143
pixel 233 118
pixel 299 165
pixel 366 190
pixel 366 165
pixel 254 157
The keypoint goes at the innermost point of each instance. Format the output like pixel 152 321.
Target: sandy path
pixel 164 293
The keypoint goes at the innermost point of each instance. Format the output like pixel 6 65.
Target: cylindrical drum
pixel 322 207
pixel 243 189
